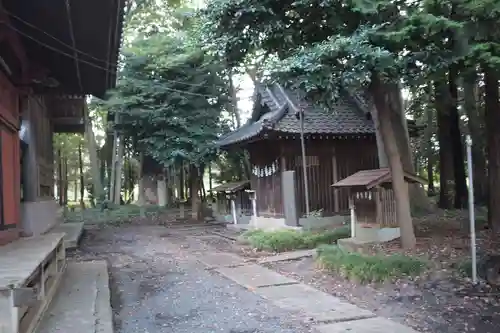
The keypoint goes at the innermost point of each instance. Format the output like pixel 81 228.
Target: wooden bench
pixel 30 271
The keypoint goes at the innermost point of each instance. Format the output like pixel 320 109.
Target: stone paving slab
pixel 254 276
pixel 371 325
pixel 216 260
pixel 319 306
pixel 82 303
pixel 294 255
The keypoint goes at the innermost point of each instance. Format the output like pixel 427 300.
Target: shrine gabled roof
pixel 345 117
pixel 232 187
pixel 368 179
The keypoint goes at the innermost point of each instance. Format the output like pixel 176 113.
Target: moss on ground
pixel 368 268
pixel 288 240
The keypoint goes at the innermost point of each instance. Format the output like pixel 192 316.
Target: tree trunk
pixel 75 189
pixel 460 201
pixel 382 156
pixel 446 170
pixel 94 161
pixel 118 171
pixel 60 177
pixel 195 197
pixel 66 182
pixel 234 99
pixel 492 114
pixel 210 177
pixel 141 197
pixel 385 104
pixel 182 192
pixel 429 149
pixel 419 200
pixel 82 179
pixel 474 123
pixel 112 170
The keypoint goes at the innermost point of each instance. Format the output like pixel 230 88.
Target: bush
pixel 286 240
pixel 116 214
pixel 366 268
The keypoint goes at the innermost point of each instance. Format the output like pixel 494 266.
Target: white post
pixel 472 219
pixel 162 191
pixel 353 216
pixel 182 213
pixel 233 209
pixel 254 207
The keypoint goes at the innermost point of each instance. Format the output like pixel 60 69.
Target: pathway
pixel 165 280
pixel 159 286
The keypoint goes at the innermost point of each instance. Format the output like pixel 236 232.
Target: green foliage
pixel 320 45
pixel 368 268
pixel 464 268
pixel 114 215
pixel 286 240
pixel 169 99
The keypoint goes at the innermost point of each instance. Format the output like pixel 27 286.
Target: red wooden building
pixel 52 54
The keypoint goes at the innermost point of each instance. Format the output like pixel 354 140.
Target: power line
pixel 56 49
pixel 101 67
pixel 31 25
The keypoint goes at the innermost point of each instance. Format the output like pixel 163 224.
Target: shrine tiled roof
pixel 347 116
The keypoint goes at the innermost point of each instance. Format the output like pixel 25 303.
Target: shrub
pixel 366 268
pixel 286 240
pixel 116 214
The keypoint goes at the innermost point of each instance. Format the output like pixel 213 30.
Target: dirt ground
pixel 441 301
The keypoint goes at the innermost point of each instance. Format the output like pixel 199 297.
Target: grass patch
pixel 287 240
pixel 366 268
pixel 117 214
pixel 464 267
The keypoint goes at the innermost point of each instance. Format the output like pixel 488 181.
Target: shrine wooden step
pixel 30 272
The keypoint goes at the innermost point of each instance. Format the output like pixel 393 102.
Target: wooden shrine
pixel 371 198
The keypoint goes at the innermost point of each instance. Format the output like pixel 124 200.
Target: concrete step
pixel 82 303
pixel 30 272
pixel 73 232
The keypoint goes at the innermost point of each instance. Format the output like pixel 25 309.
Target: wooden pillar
pixel 336 203
pixel 30 163
pixel 377 193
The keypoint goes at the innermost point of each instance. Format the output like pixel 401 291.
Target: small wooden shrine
pixel 371 198
pixel 223 194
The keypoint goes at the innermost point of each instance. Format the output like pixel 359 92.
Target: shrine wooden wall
pixel 327 161
pixel 40 129
pixel 10 161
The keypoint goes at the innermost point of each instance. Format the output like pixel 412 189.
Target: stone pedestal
pixel 39 217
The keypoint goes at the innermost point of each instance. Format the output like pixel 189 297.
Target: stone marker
pixel 371 325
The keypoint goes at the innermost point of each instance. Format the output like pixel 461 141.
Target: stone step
pixel 82 303
pixel 73 232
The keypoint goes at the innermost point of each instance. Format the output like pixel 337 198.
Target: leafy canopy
pixel 169 98
pixel 320 45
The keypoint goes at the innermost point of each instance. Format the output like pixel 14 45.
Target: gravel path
pixel 158 286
